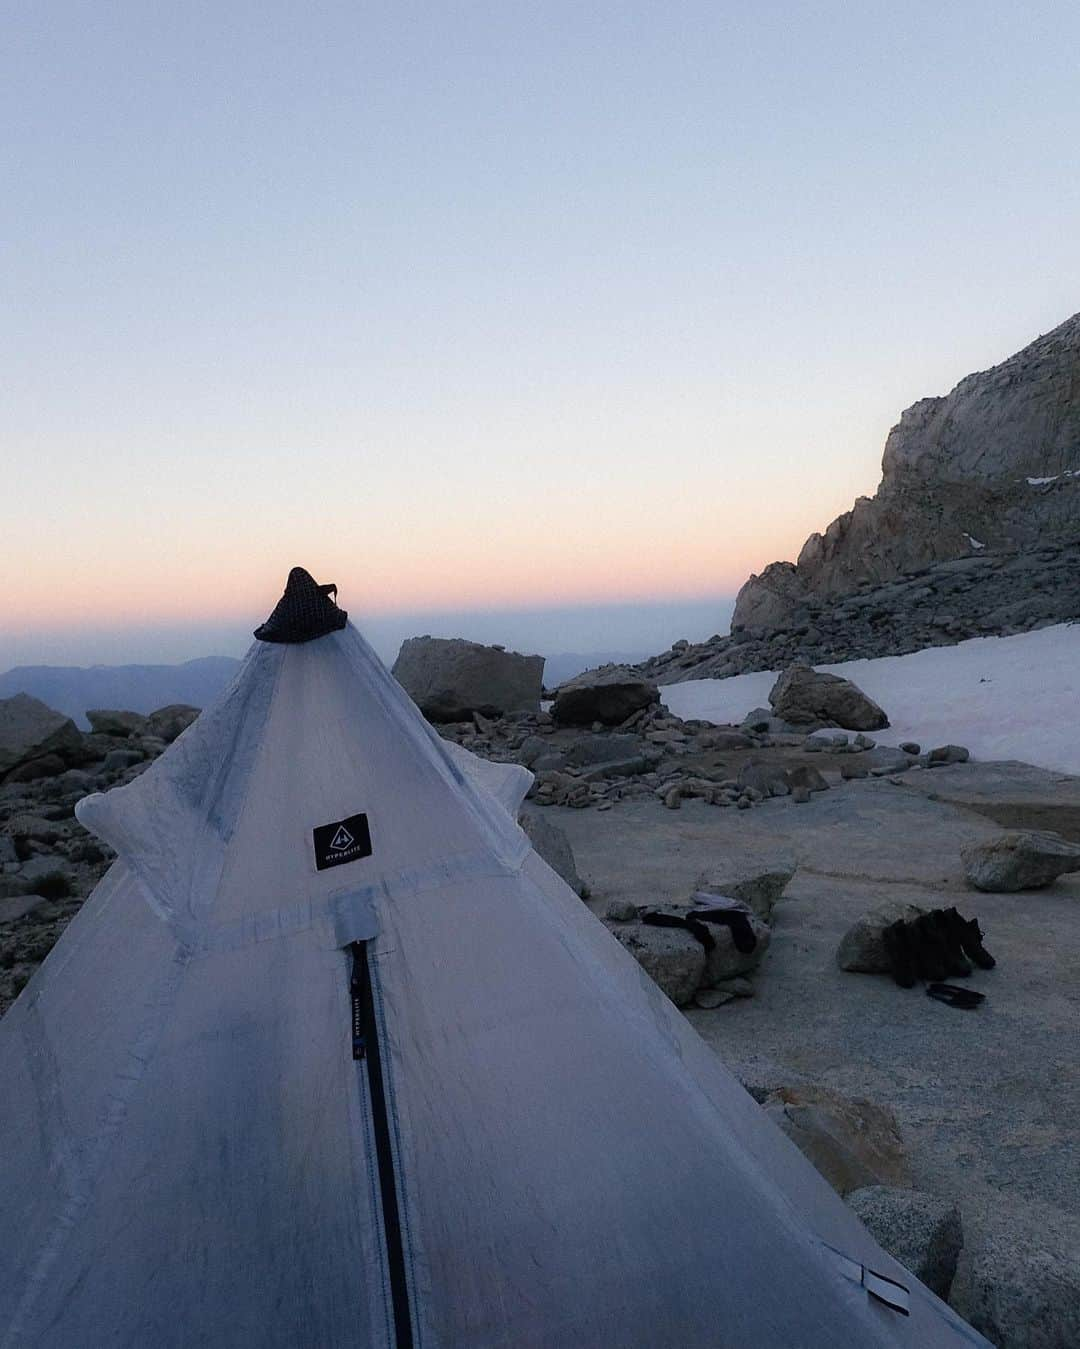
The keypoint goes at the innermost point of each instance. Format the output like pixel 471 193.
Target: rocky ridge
pixel 993 466
pixel 985 594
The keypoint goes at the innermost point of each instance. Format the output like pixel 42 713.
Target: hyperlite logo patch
pixel 341 842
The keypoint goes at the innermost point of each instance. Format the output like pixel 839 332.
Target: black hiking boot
pixel 931 955
pixel 958 963
pixel 900 950
pixel 970 936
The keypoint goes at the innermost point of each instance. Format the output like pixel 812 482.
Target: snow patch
pixel 1003 697
pixel 975 543
pixel 1041 482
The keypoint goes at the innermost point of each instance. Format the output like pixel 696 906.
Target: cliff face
pixel 993 465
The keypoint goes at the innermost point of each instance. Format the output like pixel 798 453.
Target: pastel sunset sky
pixel 527 309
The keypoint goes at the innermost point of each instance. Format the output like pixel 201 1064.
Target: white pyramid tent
pixel 415 1098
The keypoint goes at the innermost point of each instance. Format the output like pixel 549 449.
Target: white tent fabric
pixel 190 1148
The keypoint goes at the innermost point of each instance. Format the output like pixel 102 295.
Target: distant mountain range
pixel 137 688
pixel 72 689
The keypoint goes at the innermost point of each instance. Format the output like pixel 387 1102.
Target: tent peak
pixel 304 612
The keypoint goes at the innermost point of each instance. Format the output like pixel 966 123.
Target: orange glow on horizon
pixel 98 607
pixel 450 572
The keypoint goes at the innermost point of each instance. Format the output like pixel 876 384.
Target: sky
pixel 545 318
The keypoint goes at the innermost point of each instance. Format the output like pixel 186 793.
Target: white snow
pixel 1041 482
pixel 974 542
pixel 1003 697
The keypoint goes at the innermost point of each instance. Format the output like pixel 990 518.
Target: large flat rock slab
pixel 867 830
pixel 1014 795
pixel 988 1100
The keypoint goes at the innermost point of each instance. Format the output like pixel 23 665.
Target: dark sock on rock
pixel 899 949
pixel 930 955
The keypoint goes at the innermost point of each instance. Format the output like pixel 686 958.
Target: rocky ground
pixel 952 1132
pixel 986 594
pixel 986 1102
pixel 49 864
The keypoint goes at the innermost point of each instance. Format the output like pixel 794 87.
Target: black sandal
pixel 953 996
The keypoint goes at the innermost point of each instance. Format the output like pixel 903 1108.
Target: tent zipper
pixel 365 1044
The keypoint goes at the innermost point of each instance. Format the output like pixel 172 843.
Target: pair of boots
pixel 934 946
